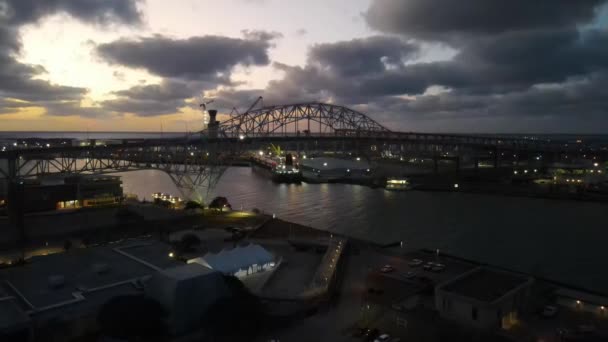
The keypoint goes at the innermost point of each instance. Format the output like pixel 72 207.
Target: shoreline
pixel 269 228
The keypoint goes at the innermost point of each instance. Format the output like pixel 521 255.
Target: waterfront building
pixel 483 298
pixel 71 192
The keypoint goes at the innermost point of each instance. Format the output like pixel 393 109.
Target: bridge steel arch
pixel 301 119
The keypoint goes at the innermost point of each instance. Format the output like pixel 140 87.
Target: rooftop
pixel 485 285
pixel 83 279
pixel 187 271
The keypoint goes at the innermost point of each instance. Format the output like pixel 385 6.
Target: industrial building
pixel 71 192
pixel 57 297
pixel 483 298
pixel 186 292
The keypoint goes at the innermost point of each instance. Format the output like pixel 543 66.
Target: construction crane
pixel 204 104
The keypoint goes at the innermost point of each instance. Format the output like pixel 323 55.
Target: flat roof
pixel 84 286
pixel 484 284
pixel 11 314
pixel 187 271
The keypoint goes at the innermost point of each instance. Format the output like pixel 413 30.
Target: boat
pixel 398 184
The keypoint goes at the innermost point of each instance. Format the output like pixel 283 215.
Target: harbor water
pixel 560 240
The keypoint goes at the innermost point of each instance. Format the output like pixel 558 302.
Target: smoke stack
pixel 212 115
pixel 213 125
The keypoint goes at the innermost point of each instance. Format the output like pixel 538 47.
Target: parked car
pixel 387 269
pixel 415 262
pixel 382 338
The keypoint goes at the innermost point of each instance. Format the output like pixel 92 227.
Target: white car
pixel 382 338
pixel 387 269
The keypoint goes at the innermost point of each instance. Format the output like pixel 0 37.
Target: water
pixel 561 240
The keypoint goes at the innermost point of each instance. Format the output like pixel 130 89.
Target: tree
pixel 220 203
pixel 238 317
pixel 133 318
pixel 67 245
pixel 191 205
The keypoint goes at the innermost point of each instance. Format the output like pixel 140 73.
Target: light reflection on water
pixel 563 240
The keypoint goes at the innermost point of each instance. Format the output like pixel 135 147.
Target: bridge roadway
pixel 181 155
pixel 300 127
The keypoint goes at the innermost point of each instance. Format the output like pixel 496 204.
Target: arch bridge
pixel 306 119
pixel 197 161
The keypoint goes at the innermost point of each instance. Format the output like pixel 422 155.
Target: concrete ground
pixel 295 273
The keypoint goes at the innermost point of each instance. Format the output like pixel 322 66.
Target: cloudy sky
pixel 413 65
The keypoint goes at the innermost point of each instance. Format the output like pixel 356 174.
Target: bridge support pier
pixel 15 204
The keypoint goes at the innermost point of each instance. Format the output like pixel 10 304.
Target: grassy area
pixel 214 219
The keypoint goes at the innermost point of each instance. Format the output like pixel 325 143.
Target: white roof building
pixel 239 261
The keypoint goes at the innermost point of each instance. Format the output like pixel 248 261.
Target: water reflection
pixel 558 239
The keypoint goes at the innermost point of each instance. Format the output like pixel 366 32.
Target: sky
pixel 412 65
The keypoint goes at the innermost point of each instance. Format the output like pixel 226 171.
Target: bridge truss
pixel 299 119
pixel 194 168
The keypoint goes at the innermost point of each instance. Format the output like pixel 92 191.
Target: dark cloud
pixel 362 56
pixel 519 76
pixel 17 81
pixel 208 58
pixel 438 19
pixel 73 108
pixel 21 12
pixel 155 99
pixel 20 81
